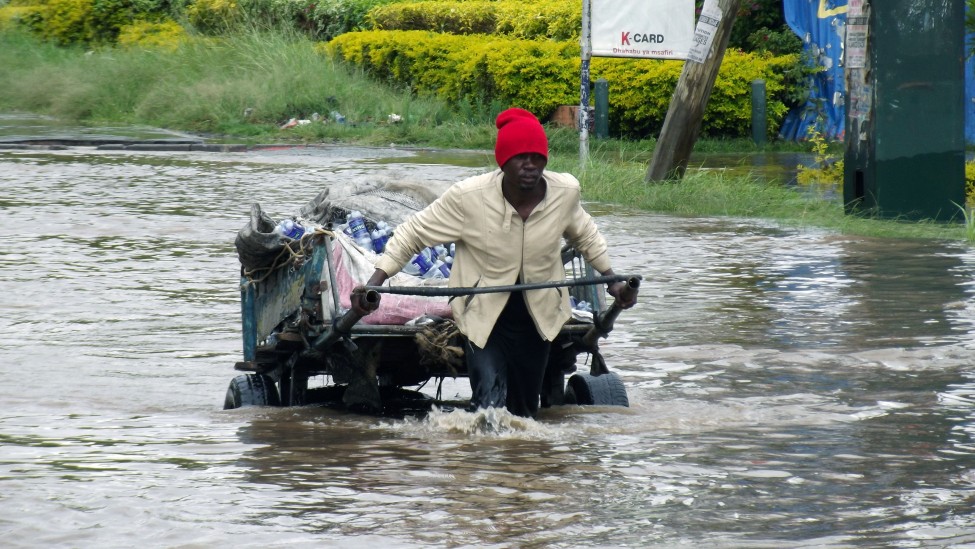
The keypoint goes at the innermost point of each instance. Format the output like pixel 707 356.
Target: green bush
pixel 319 20
pixel 88 22
pixel 213 16
pixel 474 17
pixel 67 21
pixel 554 19
pixel 97 22
pixel 777 42
pixel 165 35
pixel 23 15
pixel 541 75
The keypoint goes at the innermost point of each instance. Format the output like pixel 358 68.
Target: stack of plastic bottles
pixel 431 262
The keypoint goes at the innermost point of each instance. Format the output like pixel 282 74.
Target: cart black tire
pixel 601 390
pixel 251 390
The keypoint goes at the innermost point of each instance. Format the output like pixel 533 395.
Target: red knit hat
pixel 519 132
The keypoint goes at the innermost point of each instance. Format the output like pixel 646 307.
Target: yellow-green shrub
pixel 828 172
pixel 90 22
pixel 555 19
pixel 970 184
pixel 67 21
pixel 12 15
pixel 213 15
pixel 541 75
pixel 469 69
pixel 475 17
pixel 167 35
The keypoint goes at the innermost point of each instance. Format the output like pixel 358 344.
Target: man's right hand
pixel 624 294
pixel 362 306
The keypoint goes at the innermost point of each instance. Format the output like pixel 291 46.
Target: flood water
pixel 788 388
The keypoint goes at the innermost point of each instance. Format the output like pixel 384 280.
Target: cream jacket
pixel 494 247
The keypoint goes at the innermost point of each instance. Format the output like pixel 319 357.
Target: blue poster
pixel 821 24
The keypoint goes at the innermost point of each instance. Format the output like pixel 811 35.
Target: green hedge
pixel 98 22
pixel 554 19
pixel 541 75
pixel 321 20
pixel 90 22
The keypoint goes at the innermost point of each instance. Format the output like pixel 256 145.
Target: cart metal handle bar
pixel 631 280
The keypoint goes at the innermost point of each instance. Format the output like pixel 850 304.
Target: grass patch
pixel 244 85
pixel 744 196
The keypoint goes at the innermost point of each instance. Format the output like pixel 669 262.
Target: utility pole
pixel 690 99
pixel 905 109
pixel 585 41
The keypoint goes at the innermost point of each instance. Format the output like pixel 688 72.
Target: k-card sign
pixel 660 29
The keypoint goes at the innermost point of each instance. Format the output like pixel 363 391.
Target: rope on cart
pixel 437 344
pixel 286 256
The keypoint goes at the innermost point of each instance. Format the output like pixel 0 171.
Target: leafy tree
pixel 760 26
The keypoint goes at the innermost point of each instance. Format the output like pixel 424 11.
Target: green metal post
pixel 602 108
pixel 759 119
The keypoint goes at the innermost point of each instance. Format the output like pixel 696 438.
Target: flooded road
pixel 788 388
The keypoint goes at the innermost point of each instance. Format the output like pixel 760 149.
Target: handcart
pixel 297 327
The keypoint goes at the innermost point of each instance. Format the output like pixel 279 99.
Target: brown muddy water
pixel 788 388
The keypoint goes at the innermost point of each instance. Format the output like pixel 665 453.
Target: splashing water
pixel 483 422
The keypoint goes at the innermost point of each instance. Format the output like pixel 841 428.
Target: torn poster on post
pixel 707 27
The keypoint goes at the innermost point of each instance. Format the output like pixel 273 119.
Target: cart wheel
pixel 602 390
pixel 251 390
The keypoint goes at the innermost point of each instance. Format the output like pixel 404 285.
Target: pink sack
pixel 354 266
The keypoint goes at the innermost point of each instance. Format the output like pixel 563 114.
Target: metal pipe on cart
pixel 602 324
pixel 633 281
pixel 342 325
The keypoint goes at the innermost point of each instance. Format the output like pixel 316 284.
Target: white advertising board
pixel 659 29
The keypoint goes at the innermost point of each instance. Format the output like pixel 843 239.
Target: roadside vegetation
pixel 240 72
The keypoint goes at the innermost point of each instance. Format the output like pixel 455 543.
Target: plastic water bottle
pixel 448 263
pixel 290 229
pixel 419 265
pixel 379 239
pixel 435 270
pixel 441 252
pixel 357 224
pixel 579 305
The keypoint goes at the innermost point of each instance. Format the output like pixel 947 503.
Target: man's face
pixel 524 170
